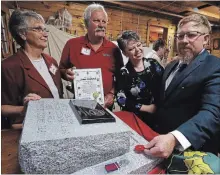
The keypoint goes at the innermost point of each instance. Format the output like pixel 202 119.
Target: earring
pixel 23 36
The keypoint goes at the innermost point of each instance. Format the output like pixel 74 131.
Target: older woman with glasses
pixel 29 74
pixel 139 81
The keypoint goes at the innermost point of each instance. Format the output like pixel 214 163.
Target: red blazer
pixel 19 78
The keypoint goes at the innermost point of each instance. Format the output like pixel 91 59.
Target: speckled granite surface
pixel 53 141
pixel 129 163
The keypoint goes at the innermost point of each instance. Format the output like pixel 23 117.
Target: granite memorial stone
pixel 54 142
pixel 128 163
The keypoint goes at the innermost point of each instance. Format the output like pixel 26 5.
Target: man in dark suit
pixel 189 111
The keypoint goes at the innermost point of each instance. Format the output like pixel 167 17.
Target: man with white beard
pixel 92 51
pixel 188 115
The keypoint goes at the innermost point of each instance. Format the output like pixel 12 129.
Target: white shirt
pixel 153 54
pixel 171 76
pixel 184 142
pixel 41 67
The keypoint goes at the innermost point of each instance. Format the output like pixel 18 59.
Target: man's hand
pixel 31 97
pixel 69 74
pixel 148 108
pixel 161 146
pixel 109 100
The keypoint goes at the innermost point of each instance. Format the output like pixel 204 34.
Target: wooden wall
pixel 119 19
pixel 5 9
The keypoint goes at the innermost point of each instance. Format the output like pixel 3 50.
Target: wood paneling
pixel 9 151
pixel 119 19
pixel 5 9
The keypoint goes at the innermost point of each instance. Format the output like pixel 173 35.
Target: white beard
pixel 186 57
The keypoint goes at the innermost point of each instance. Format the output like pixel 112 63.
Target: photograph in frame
pixel 216 44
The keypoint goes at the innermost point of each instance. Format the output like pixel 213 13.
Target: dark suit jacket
pixel 19 78
pixel 191 103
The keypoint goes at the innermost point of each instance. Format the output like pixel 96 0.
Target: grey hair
pixel 125 37
pixel 200 20
pixel 18 23
pixel 88 12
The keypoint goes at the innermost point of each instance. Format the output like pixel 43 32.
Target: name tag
pixel 106 55
pixel 85 51
pixel 53 69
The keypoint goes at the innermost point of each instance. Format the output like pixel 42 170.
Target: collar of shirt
pixel 154 51
pixel 180 66
pixel 180 61
pixel 201 51
pixel 85 41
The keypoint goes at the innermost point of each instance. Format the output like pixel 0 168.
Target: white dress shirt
pixel 184 143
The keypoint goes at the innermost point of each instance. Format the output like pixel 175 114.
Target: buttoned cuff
pixel 184 142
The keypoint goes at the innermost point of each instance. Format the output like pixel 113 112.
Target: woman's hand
pixel 148 108
pixel 31 97
pixel 109 100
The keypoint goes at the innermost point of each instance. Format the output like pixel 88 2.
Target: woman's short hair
pixel 18 23
pixel 125 37
pixel 200 20
pixel 88 12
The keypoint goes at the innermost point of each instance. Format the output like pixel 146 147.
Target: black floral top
pixel 133 89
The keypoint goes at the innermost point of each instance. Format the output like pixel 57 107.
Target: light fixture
pixel 195 9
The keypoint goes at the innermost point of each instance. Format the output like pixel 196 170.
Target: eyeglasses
pixel 190 35
pixel 38 29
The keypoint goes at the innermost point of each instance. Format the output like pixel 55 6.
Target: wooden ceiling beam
pixel 138 7
pixel 205 13
pixel 46 5
pixel 204 6
pixel 214 3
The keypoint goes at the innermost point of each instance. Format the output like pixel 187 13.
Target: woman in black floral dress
pixel 138 82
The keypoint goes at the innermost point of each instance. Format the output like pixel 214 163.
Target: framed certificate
pixel 88 84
